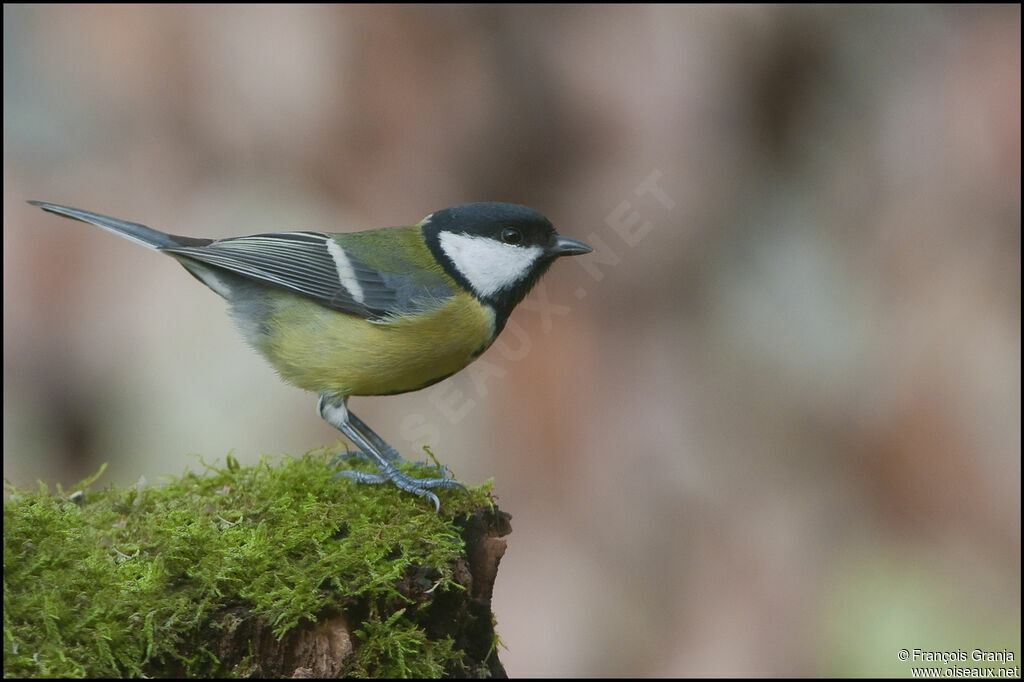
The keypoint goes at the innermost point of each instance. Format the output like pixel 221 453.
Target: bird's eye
pixel 511 235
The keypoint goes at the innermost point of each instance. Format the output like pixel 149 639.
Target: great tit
pixel 376 312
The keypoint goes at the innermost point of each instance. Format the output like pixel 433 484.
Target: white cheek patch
pixel 489 265
pixel 346 273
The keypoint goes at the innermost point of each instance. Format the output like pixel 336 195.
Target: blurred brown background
pixel 771 427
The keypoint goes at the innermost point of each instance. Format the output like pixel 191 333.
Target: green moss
pixel 129 582
pixel 397 649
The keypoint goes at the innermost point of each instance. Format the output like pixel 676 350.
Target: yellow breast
pixel 331 352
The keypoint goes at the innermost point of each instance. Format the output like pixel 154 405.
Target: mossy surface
pixel 137 581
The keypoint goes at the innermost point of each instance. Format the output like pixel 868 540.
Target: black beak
pixel 568 247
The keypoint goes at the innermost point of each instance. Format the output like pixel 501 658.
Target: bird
pixel 368 313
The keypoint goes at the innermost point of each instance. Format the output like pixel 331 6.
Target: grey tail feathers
pixel 140 234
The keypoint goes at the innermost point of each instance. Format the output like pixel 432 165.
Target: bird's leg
pixel 389 453
pixel 335 412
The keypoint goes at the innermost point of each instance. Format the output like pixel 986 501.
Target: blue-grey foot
pixel 372 447
pixel 362 456
pixel 416 486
